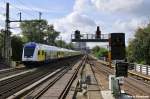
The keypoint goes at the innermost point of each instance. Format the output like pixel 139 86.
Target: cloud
pixel 128 25
pixel 2 21
pixel 72 22
pixel 124 7
pixel 82 5
pixel 2 17
pixel 22 7
pixel 79 19
pixel 116 5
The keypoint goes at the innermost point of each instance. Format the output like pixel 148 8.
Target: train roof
pixel 47 47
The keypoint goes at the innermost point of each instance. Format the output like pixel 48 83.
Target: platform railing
pixel 90 36
pixel 143 69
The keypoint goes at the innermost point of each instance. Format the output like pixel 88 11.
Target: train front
pixel 29 53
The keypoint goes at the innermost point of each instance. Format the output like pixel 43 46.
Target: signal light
pixel 117 44
pixel 121 69
pixel 77 34
pixel 98 32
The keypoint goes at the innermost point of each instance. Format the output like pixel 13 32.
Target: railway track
pixel 11 86
pixel 67 74
pixel 131 85
pixel 8 88
pixel 36 93
pixel 11 72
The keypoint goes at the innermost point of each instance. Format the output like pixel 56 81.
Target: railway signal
pixel 77 34
pixel 131 66
pixel 98 33
pixel 117 44
pixel 121 69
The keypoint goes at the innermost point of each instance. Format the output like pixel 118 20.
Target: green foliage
pixel 63 44
pixel 1 41
pixel 139 48
pixel 99 52
pixel 51 35
pixel 70 46
pixel 39 31
pixel 17 46
pixel 60 43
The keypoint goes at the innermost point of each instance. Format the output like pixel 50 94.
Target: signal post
pixel 116 53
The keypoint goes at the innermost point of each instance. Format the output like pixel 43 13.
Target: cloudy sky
pixel 68 15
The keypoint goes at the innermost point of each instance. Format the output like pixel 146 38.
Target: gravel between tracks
pixel 13 85
pixel 131 86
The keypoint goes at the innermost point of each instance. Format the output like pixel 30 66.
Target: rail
pixel 45 85
pixel 133 85
pixel 65 91
pixel 141 71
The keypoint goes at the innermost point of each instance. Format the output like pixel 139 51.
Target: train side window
pixel 38 52
pixel 42 52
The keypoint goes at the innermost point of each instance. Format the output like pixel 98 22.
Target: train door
pixel 41 55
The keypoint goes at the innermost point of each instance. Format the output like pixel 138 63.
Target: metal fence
pixel 90 36
pixel 143 69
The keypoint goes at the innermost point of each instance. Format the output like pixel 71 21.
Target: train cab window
pixel 28 51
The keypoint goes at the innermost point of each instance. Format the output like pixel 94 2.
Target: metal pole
pixel 109 53
pixel 20 16
pixel 7 46
pixel 40 14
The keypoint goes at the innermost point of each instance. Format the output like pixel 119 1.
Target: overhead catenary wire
pixel 21 10
pixel 22 3
pixel 26 9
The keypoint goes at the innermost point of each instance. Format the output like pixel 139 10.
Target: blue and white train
pixel 41 53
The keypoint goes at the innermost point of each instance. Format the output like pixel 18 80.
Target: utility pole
pixel 7 51
pixel 20 16
pixel 40 15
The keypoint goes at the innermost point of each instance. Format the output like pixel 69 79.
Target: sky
pixel 69 15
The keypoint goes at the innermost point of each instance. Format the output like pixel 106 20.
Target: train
pixel 34 53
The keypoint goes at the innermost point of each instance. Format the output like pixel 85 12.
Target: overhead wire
pixel 21 10
pixel 22 3
pixel 29 6
pixel 25 9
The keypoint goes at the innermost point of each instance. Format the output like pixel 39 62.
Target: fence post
pixel 146 69
pixel 134 66
pixel 140 68
pixel 87 36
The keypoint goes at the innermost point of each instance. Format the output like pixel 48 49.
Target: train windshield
pixel 28 51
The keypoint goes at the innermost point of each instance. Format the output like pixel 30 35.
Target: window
pixel 38 52
pixel 42 52
pixel 28 51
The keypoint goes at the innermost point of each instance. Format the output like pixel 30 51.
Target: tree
pixel 139 48
pixel 60 43
pixel 51 35
pixel 1 42
pixel 17 47
pixel 33 30
pixel 99 52
pixel 70 46
pixel 39 31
